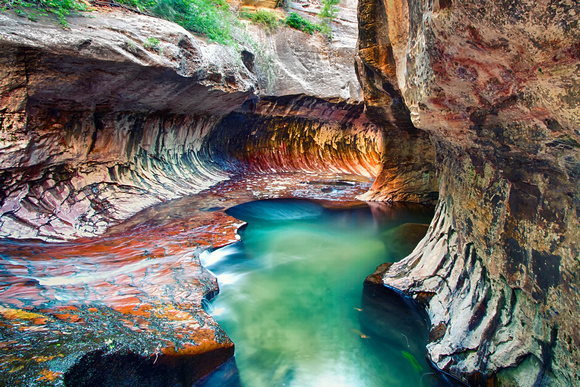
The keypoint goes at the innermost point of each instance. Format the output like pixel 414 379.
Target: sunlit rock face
pixel 495 84
pixel 297 133
pixel 315 65
pixel 408 161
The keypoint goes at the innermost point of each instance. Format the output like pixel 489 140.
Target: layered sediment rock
pixel 495 84
pixel 96 127
pixel 297 133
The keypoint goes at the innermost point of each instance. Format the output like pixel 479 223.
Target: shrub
pixel 329 11
pixel 33 8
pixel 297 22
pixel 211 18
pixel 152 44
pixel 267 19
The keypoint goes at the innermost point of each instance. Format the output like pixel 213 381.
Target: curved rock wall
pixel 297 133
pixel 408 159
pixel 98 123
pixel 96 127
pixel 495 84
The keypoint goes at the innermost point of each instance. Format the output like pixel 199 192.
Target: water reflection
pixel 292 299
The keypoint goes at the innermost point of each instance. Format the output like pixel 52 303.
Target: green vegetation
pixel 299 23
pixel 329 11
pixel 211 18
pixel 34 8
pixel 152 44
pixel 267 19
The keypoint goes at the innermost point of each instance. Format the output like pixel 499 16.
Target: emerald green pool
pixel 292 300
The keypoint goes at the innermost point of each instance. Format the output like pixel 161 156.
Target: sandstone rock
pixel 98 124
pixel 495 84
pixel 83 143
pixel 297 133
pixel 128 308
pixel 313 65
pixel 408 157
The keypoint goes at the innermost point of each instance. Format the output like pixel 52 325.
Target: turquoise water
pixel 292 298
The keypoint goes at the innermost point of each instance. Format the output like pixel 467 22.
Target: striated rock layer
pixel 97 124
pixel 297 133
pixel 496 87
pixel 95 127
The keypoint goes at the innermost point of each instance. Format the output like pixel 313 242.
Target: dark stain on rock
pixel 423 298
pixel 479 312
pixel 516 256
pixel 98 368
pixel 98 126
pixel 553 125
pixel 248 60
pixel 437 332
pixel 546 268
pixel 524 199
pixel 135 137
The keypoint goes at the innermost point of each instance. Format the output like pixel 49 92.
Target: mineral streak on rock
pixel 95 127
pixel 297 133
pixel 496 87
pixel 408 160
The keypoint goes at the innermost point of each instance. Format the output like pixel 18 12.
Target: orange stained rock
pixel 42 359
pixel 144 273
pixel 205 342
pixel 48 375
pixel 19 314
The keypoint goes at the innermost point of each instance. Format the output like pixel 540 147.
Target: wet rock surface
pixel 494 85
pixel 128 306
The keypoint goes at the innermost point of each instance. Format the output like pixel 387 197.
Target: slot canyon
pixel 120 159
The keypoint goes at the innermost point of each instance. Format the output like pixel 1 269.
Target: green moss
pixel 152 44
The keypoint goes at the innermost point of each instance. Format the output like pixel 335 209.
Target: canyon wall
pixel 96 126
pixel 495 84
pixel 98 123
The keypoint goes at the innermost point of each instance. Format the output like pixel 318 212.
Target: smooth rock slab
pixel 129 306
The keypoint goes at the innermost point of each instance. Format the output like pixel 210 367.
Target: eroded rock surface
pixel 96 127
pixel 495 85
pixel 408 160
pixel 297 133
pixel 314 65
pixel 97 124
pixel 127 308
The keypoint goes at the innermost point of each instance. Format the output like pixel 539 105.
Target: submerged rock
pixel 405 237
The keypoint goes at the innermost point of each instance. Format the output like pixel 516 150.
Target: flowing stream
pixel 292 298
